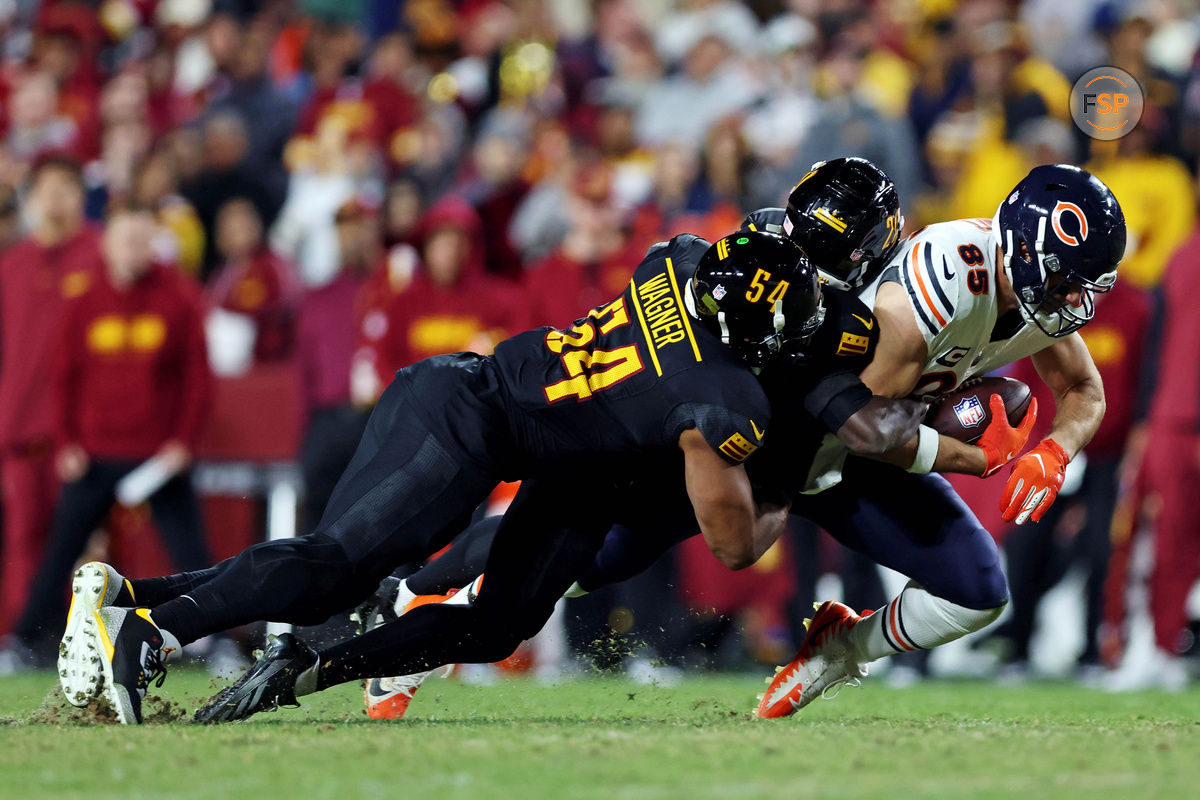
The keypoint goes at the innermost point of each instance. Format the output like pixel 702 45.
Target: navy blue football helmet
pixel 1062 232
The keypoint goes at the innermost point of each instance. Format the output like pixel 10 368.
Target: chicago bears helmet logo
pixel 1056 222
pixel 969 411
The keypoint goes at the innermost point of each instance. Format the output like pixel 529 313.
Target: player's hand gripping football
pixel 1034 482
pixel 1001 442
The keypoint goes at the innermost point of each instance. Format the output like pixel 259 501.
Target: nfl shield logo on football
pixel 719 291
pixel 969 411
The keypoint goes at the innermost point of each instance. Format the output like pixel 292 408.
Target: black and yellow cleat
pixel 132 659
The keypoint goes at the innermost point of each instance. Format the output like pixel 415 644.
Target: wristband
pixel 927 449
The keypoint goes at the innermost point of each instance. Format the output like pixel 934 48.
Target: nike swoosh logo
pixel 946 269
pixel 1041 463
pixel 757 432
pixel 867 325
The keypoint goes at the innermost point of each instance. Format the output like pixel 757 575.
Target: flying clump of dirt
pixel 55 710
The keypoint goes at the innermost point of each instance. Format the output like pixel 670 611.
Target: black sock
pixel 153 592
pixel 183 617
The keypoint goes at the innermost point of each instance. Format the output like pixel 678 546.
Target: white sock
pixel 404 596
pixel 914 620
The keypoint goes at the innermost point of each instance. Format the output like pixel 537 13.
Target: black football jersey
pixel 817 397
pixel 631 376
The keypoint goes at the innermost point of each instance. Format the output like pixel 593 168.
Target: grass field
pixel 608 739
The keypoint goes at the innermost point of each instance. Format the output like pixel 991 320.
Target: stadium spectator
pixel 155 186
pixel 38 276
pixel 1149 184
pixel 847 123
pixel 35 126
pixel 253 281
pixel 593 261
pixel 249 92
pixel 327 336
pixel 131 383
pixel 1169 479
pixel 225 174
pixel 712 85
pixel 451 305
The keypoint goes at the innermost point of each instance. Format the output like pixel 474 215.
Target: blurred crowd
pixel 191 188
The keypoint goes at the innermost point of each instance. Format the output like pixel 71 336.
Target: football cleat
pixel 388 698
pixel 826 660
pixel 132 659
pixel 268 685
pixel 94 586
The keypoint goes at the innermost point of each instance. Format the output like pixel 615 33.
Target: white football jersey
pixel 949 273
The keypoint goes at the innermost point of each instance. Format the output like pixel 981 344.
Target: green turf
pixel 610 740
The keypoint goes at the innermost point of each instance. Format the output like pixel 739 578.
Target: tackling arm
pixel 735 528
pixel 894 372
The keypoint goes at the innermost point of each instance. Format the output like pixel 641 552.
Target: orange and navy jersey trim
pixel 923 282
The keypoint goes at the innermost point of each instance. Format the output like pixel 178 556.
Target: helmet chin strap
pixel 780 320
pixel 724 327
pixel 689 303
pixel 689 300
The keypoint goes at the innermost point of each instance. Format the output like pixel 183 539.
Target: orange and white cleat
pixel 826 659
pixel 388 698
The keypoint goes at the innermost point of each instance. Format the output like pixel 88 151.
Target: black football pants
pixel 543 543
pixel 436 444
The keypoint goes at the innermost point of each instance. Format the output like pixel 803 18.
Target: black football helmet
pixel 760 294
pixel 1073 234
pixel 845 214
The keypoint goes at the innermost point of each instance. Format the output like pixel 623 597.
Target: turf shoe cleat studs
pixel 94 586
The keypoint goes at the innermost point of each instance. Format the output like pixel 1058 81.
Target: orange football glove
pixel 1034 483
pixel 1000 441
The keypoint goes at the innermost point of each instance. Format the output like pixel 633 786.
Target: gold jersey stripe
pixel 637 307
pixel 687 323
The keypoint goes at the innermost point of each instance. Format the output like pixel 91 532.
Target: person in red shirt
pixel 37 277
pixel 253 281
pixel 593 261
pixel 450 305
pixel 1076 530
pixel 327 336
pixel 131 383
pixel 1164 489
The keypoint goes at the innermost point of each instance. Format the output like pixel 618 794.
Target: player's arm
pixel 1068 371
pixel 894 372
pixel 735 528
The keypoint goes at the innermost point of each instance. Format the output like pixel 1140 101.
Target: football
pixel 964 413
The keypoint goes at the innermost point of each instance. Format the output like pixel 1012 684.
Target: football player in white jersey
pixel 960 299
